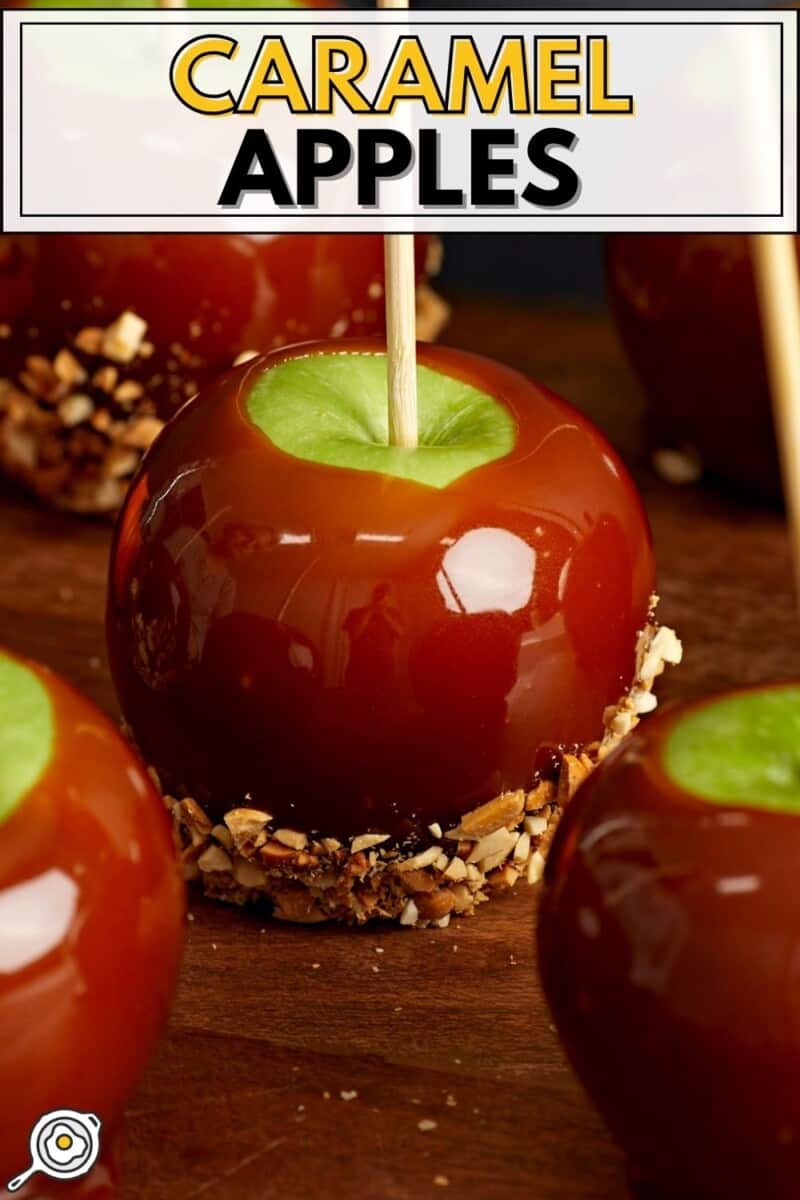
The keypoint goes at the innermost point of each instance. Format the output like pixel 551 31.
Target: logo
pixel 64 1144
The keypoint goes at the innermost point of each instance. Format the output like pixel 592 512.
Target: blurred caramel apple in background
pixel 686 310
pixel 104 336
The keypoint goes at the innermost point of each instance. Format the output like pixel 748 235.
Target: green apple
pixel 27 732
pixel 741 749
pixel 332 409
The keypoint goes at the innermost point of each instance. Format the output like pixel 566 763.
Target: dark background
pixel 563 265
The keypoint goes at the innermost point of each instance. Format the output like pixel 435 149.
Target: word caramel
pixel 541 75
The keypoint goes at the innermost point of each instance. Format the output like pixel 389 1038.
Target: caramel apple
pixel 91 912
pixel 668 943
pixel 686 311
pixel 364 666
pixel 104 336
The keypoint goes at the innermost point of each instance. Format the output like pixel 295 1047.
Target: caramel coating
pixel 88 873
pixel 669 953
pixel 351 651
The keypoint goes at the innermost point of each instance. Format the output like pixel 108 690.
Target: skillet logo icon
pixel 64 1144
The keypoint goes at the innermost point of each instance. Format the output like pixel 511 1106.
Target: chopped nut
pixel 425 859
pixel 536 867
pixel 22 446
pixel 462 898
pixel 273 853
pixel 535 826
pixel 89 340
pixel 503 878
pixel 292 838
pixel 75 409
pixel 426 1125
pixel 142 432
pixel 105 378
pixel 128 391
pixel 40 379
pixel 642 701
pixel 122 339
pixel 194 818
pixel 499 842
pixel 503 811
pixel 417 881
pixel 572 774
pixel 435 829
pixel 357 864
pixel 222 835
pixel 101 420
pixel 246 825
pixel 493 860
pixel 120 461
pixel 665 647
pixel 366 841
pixel 432 906
pixel 247 874
pixel 523 847
pixel 303 861
pixel 68 369
pixel 410 914
pixel 214 859
pixel 618 722
pixel 457 869
pixel 544 793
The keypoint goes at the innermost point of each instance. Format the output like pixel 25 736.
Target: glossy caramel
pixel 206 297
pixel 357 652
pixel 686 311
pixel 91 930
pixel 669 949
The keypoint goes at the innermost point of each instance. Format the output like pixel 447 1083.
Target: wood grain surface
pixel 388 1063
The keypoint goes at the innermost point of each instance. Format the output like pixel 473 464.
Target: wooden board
pixel 300 1062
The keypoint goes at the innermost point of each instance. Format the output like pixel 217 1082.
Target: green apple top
pixel 26 732
pixel 332 409
pixel 740 749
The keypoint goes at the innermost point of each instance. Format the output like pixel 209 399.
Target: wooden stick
pixel 778 287
pixel 401 346
pixel 401 326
